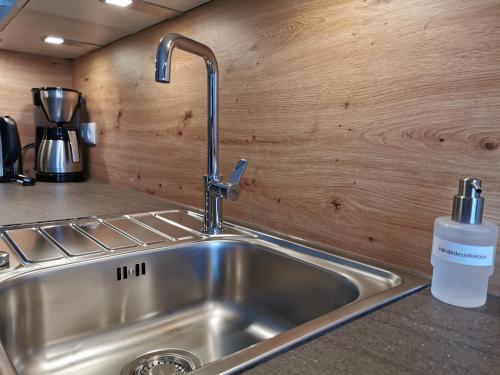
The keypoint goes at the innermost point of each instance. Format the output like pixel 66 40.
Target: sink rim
pixel 279 343
pixel 404 283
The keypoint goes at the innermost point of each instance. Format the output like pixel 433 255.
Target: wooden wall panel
pixel 357 117
pixel 19 73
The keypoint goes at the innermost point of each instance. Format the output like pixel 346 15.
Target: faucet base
pixel 212 223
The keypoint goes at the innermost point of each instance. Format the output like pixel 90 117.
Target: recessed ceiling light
pixel 120 3
pixel 53 40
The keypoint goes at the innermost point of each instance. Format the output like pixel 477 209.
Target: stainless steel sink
pixel 215 303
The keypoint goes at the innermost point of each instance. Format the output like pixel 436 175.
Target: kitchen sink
pixel 170 302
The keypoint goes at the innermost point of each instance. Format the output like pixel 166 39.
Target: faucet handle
pixel 238 171
pixel 229 190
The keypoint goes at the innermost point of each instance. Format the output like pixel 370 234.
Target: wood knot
pixel 336 204
pixel 488 144
pixel 118 118
pixel 248 181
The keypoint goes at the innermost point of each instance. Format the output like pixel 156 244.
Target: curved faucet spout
pixel 162 74
pixel 215 188
pixel 164 55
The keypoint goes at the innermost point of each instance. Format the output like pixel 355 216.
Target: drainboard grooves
pixel 172 231
pixel 71 240
pixel 107 236
pixel 183 219
pixel 137 231
pixel 33 246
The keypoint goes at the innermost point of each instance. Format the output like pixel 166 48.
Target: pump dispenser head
pixel 468 203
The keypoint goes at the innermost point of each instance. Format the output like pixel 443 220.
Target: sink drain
pixel 163 362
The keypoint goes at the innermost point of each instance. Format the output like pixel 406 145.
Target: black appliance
pixel 11 166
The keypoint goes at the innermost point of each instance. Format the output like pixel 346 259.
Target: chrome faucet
pixel 215 188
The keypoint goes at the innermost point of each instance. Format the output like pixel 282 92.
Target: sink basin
pixel 225 302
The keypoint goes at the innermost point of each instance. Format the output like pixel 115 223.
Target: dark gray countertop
pixel 51 201
pixel 416 335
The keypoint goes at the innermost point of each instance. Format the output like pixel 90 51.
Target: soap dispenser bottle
pixel 463 249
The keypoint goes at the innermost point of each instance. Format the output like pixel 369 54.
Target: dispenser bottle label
pixel 463 254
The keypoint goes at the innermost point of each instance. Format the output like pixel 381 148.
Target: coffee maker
pixel 58 143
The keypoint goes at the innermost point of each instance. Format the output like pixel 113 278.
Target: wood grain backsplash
pixel 19 73
pixel 357 117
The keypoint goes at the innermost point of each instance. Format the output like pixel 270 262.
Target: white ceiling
pixel 87 24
